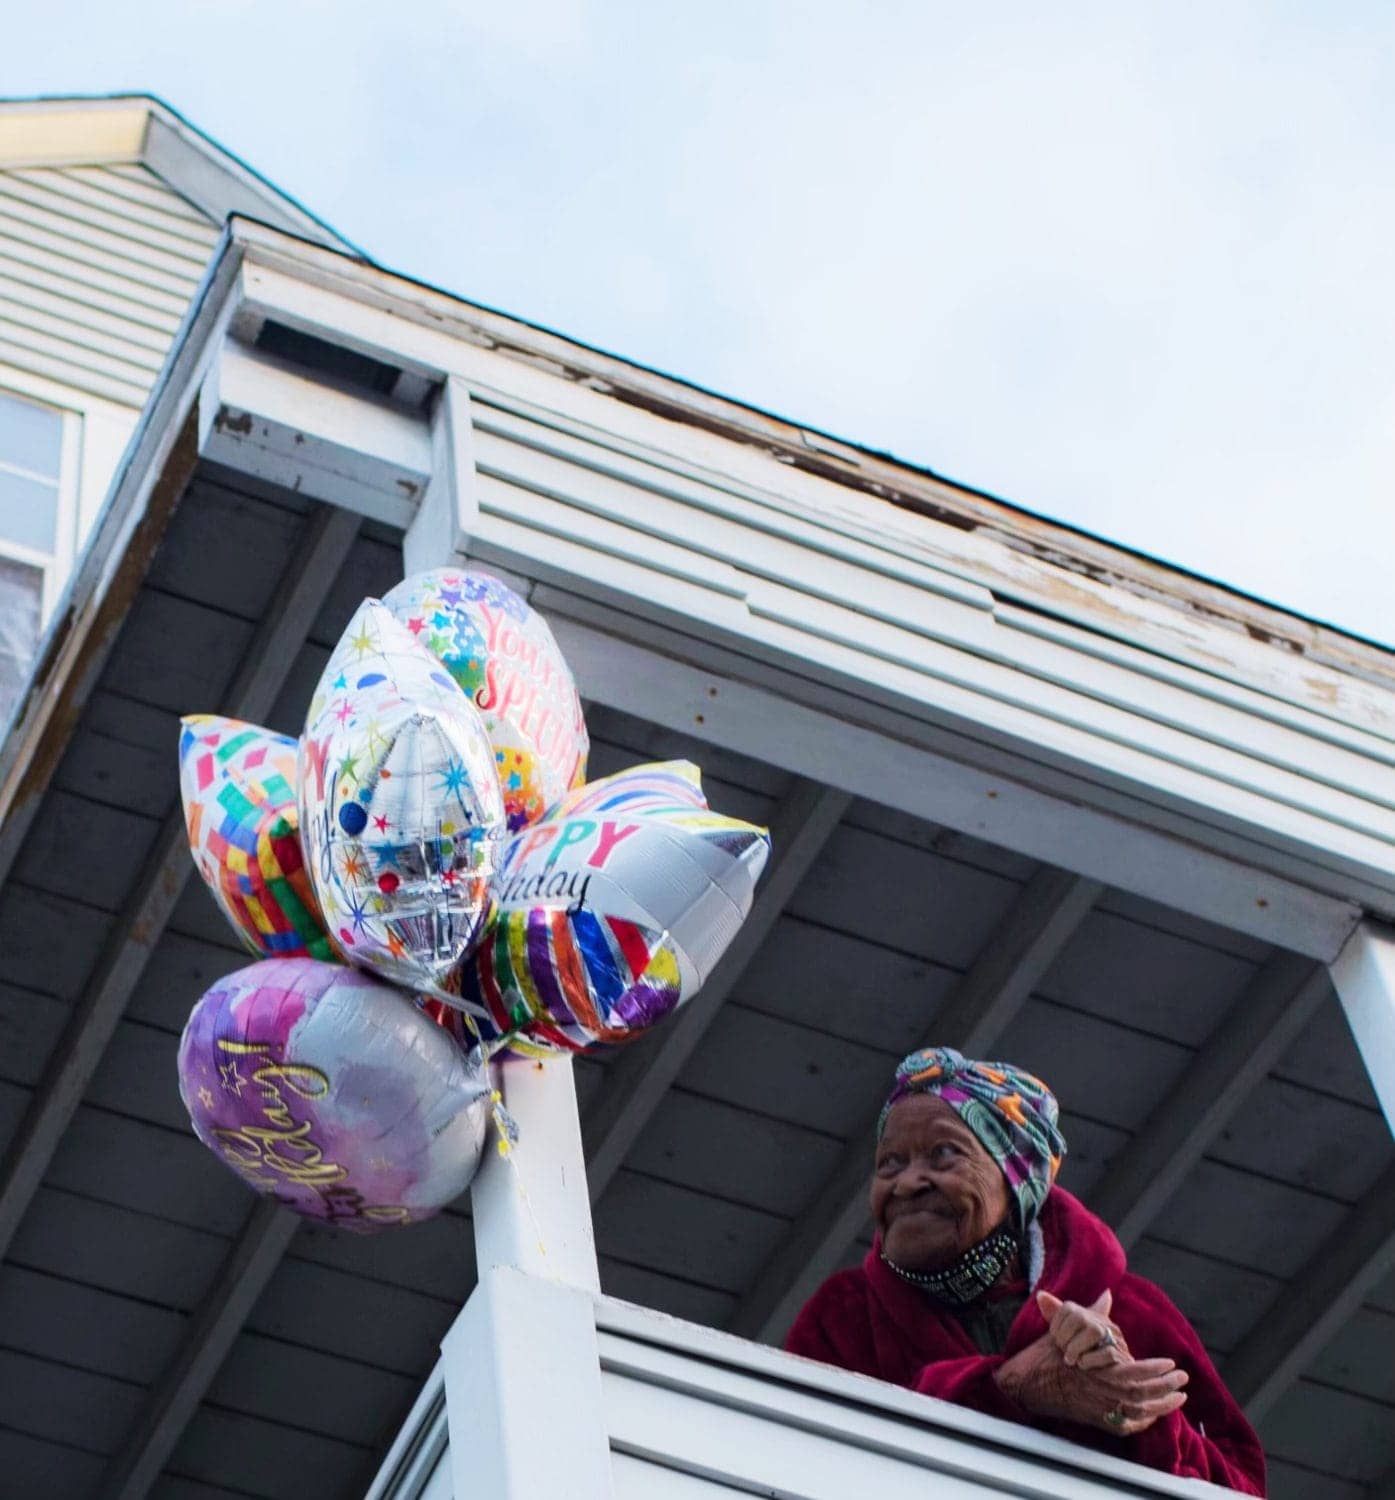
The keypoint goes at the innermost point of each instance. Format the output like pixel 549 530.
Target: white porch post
pixel 532 1210
pixel 522 1362
pixel 447 511
pixel 1364 977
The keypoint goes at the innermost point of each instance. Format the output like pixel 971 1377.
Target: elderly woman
pixel 988 1286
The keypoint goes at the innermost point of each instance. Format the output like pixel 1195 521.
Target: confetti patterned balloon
pixel 401 811
pixel 502 654
pixel 613 910
pixel 331 1092
pixel 238 785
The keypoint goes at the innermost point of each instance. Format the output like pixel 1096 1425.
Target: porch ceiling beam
pixel 329 534
pixel 640 1076
pixel 1364 978
pixel 1251 1038
pixel 1046 914
pixel 1316 1303
pixel 211 1334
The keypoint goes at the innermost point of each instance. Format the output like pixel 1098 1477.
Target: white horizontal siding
pixel 152 209
pixel 743 566
pixel 97 265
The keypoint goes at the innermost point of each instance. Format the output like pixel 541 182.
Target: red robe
pixel 871 1321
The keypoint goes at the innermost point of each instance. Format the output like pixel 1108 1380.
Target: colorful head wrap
pixel 1012 1114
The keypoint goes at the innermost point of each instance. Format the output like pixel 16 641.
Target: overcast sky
pixel 1128 265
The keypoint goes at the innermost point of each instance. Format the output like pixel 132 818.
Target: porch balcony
pixel 597 1397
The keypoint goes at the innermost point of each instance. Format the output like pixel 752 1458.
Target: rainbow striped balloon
pixel 613 911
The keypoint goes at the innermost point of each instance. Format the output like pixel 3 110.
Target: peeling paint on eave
pixel 1058 553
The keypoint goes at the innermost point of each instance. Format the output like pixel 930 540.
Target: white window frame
pixel 55 566
pixel 95 434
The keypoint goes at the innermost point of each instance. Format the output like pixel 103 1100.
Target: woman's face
pixel 935 1190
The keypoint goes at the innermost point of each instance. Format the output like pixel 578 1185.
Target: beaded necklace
pixel 971 1274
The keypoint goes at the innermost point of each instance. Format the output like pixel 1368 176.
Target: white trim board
pixel 1292 766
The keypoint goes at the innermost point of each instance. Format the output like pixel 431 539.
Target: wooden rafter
pixel 329 534
pixel 640 1077
pixel 1250 1039
pixel 209 1337
pixel 1047 912
pixel 1316 1303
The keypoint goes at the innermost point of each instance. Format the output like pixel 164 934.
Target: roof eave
pixel 1084 564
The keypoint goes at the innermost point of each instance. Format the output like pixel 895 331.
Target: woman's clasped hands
pixel 1081 1370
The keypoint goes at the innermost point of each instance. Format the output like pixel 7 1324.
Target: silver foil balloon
pixel 401 811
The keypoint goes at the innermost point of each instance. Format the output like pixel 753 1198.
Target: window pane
pixel 21 588
pixel 31 436
pixel 28 511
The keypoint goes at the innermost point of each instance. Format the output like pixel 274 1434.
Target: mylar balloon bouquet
pixel 502 654
pixel 613 910
pixel 432 828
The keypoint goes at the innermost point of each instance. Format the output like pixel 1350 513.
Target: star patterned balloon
pixel 401 811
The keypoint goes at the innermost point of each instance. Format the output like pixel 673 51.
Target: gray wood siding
pixel 97 265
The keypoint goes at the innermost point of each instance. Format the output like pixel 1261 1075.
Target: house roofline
pixel 61 130
pixel 909 486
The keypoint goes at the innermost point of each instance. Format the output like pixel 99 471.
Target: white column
pixel 522 1362
pixel 446 514
pixel 1364 977
pixel 531 1208
pixel 523 1393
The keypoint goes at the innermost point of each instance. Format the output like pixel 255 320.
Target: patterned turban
pixel 1012 1114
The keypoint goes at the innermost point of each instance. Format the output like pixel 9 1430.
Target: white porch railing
pixel 672 1411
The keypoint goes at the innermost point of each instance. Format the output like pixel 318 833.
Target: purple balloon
pixel 331 1092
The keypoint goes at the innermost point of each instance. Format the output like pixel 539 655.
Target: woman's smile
pixel 935 1189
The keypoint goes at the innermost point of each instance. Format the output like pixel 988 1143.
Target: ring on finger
pixel 1116 1417
pixel 1107 1342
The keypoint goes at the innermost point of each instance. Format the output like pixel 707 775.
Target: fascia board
pixel 220 185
